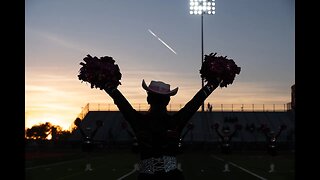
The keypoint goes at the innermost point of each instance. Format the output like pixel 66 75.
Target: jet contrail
pixel 162 41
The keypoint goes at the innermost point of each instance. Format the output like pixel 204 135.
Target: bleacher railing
pixel 177 107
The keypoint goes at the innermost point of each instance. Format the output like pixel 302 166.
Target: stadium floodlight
pixel 201 7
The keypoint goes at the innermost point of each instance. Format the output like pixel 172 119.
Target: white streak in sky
pixel 162 41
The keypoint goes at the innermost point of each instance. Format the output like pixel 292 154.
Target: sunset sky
pixel 259 35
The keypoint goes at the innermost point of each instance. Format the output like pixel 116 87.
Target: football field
pixel 200 165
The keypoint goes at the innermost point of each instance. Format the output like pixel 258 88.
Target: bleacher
pixel 113 130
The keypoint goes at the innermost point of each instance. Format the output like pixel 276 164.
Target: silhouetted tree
pixel 40 131
pixel 43 130
pixel 63 135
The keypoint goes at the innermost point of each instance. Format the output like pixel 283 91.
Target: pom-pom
pixel 100 72
pixel 219 67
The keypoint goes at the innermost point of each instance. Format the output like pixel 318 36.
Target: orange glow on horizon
pixel 40 117
pixel 58 98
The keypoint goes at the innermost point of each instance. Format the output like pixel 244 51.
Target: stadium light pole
pixel 201 7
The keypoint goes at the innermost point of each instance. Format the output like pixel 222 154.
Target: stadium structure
pixel 114 131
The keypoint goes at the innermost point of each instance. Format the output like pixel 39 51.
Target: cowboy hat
pixel 159 87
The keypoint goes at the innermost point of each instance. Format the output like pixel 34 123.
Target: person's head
pixel 158 99
pixel 226 129
pixel 272 133
pixel 77 122
pixel 88 129
pixel 159 93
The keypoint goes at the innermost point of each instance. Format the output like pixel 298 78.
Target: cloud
pixel 57 40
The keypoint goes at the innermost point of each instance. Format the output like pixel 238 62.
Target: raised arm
pixel 130 133
pixel 122 103
pixel 94 132
pixel 232 134
pixel 99 124
pixel 282 127
pixel 78 123
pixel 237 127
pixel 185 114
pixel 218 132
pixel 189 127
pixel 264 129
pixel 82 132
pixel 216 128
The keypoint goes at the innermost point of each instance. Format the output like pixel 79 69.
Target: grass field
pixel 202 165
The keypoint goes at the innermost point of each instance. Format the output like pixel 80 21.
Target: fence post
pixel 274 108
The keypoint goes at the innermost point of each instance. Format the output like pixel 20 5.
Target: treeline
pixel 43 131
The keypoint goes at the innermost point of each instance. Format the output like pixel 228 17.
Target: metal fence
pixel 177 107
